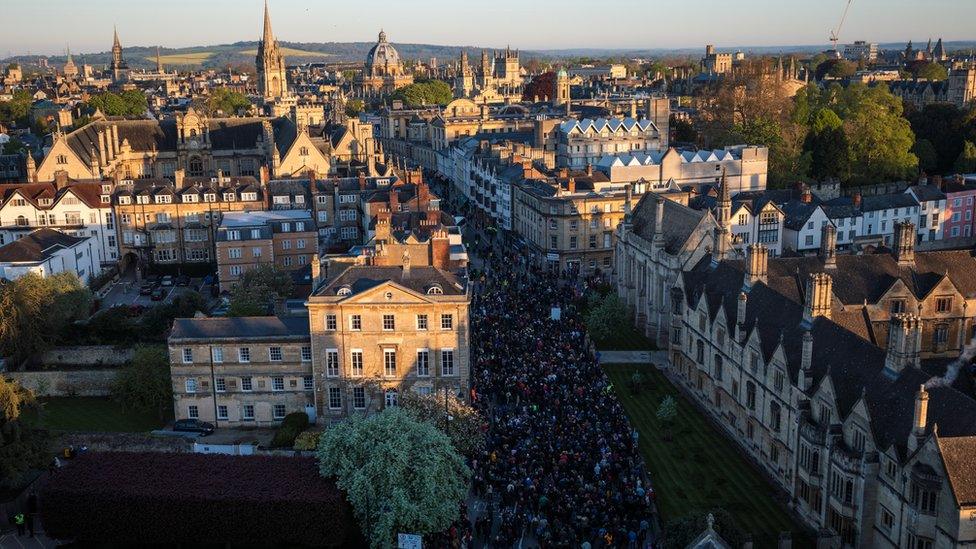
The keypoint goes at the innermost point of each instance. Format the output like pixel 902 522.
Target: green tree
pixel 129 103
pixel 354 107
pixel 828 147
pixel 683 131
pixel 881 139
pixel 145 385
pixel 13 146
pixel 607 316
pixel 667 410
pixel 22 447
pixel 451 415
pixel 37 310
pixel 399 474
pixel 258 288
pixel 928 157
pixel 224 101
pixel 14 112
pixel 835 68
pixel 966 163
pixel 944 127
pixel 418 94
pixel 929 71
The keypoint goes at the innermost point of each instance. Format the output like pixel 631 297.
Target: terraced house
pixel 870 444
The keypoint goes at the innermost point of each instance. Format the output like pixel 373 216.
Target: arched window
pixel 390 398
pixel 718 367
pixel 21 221
pixel 701 352
pixel 196 166
pixel 345 290
pixel 774 416
pixel 751 395
pixel 435 290
pixel 303 151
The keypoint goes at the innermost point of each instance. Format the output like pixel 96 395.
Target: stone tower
pixel 560 95
pixel 119 68
pixel 270 63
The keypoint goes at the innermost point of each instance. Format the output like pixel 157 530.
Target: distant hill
pixel 242 53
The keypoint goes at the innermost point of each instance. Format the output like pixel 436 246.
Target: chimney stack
pixel 740 316
pixel 904 344
pixel 921 417
pixel 806 196
pixel 904 244
pixel 178 177
pixel 383 226
pixel 60 179
pixel 806 361
pixel 362 181
pixel 394 199
pixel 265 175
pixel 856 200
pixel 757 264
pixel 316 269
pixel 571 185
pixel 828 245
pixel 818 296
pixel 589 170
pixel 406 264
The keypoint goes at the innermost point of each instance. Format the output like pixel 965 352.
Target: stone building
pixel 286 239
pixel 744 167
pixel 866 457
pixel 383 71
pixel 584 142
pixel 715 62
pixel 380 331
pixel 118 68
pixel 241 371
pixel 270 63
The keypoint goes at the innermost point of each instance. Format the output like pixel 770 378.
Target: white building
pixel 803 226
pixel 744 167
pixel 49 252
pixel 932 208
pixel 881 212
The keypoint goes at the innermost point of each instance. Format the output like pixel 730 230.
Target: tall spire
pixel 115 32
pixel 159 61
pixel 268 35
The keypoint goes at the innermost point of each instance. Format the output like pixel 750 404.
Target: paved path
pixel 12 541
pixel 633 357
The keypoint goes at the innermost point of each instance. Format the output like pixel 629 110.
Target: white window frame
pixel 244 354
pixel 445 353
pixel 190 384
pixel 356 363
pixel 332 363
pixel 187 355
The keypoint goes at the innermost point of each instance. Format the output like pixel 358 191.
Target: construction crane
pixel 835 34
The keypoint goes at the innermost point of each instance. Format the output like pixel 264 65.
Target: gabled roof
pixel 959 458
pixel 253 327
pixel 678 224
pixel 37 246
pixel 360 278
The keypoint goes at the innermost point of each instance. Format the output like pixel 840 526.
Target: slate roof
pixel 87 192
pixel 37 246
pixel 360 278
pixel 887 202
pixel 959 458
pixel 927 193
pixel 678 224
pixel 248 327
pixel 797 213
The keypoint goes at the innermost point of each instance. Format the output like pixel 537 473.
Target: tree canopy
pixel 224 101
pixel 255 292
pixel 21 447
pixel 927 70
pixel 945 128
pixel 464 426
pixel 145 384
pixel 430 92
pixel 835 68
pixel 399 474
pixel 540 88
pixel 36 310
pixel 606 316
pixel 128 103
pixel 14 112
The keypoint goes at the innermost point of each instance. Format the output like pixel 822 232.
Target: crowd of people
pixel 561 463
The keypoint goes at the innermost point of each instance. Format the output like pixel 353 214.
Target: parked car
pixel 146 288
pixel 167 280
pixel 183 280
pixel 208 280
pixel 194 426
pixel 157 294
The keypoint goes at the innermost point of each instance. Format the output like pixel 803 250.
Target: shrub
pixel 293 424
pixel 198 499
pixel 307 440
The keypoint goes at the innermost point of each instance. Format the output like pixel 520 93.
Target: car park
pixel 194 426
pixel 167 280
pixel 146 288
pixel 157 294
pixel 183 280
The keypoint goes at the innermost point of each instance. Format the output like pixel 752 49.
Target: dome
pixel 381 55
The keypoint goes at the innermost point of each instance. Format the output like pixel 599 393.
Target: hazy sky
pixel 45 26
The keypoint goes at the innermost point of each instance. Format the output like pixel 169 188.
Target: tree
pixel 36 310
pixel 928 157
pixel 607 315
pixel 540 88
pixel 14 112
pixel 129 103
pixel 835 68
pixel 145 384
pixel 667 410
pixel 257 290
pixel 465 427
pixel 224 101
pixel 881 139
pixel 966 163
pixel 927 70
pixel 430 92
pixel 354 107
pixel 828 146
pixel 399 474
pixel 683 131
pixel 944 127
pixel 13 146
pixel 21 446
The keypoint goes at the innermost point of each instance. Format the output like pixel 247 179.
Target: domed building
pixel 383 71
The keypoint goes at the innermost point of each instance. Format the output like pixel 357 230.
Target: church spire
pixel 268 35
pixel 115 38
pixel 159 61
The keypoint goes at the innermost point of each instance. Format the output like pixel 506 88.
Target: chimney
pixel 937 182
pixel 563 173
pixel 406 264
pixel 383 226
pixel 527 168
pixel 904 245
pixel 313 186
pixel 757 263
pixel 658 215
pixel 856 200
pixel 904 343
pixel 818 296
pixel 423 196
pixel 921 416
pixel 102 146
pixel 828 245
pixel 316 269
pixel 806 361
pixel 394 199
pixel 806 196
pixel 589 170
pixel 60 179
pixel 178 176
pixel 362 181
pixel 265 175
pixel 114 138
pixel 571 185
pixel 740 316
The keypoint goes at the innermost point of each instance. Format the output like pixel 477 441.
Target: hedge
pixel 293 424
pixel 159 498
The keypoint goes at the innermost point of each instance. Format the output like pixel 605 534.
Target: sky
pixel 49 26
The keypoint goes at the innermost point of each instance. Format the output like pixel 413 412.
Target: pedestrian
pixel 19 522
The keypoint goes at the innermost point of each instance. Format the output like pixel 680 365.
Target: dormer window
pixel 164 199
pixel 210 197
pixel 229 197
pixel 190 198
pixel 125 200
pixel 303 151
pixel 435 290
pixel 344 291
pixel 62 159
pixel 142 199
pixel 249 196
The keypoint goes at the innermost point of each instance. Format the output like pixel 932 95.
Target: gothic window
pixel 303 151
pixel 774 416
pixel 196 166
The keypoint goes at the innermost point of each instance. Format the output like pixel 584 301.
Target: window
pixel 248 412
pixel 277 383
pixel 192 412
pixel 857 440
pixel 751 395
pixel 447 322
pixel 221 412
pixel 924 500
pixel 389 323
pixel 421 322
pixel 915 542
pixel 447 362
pixel 274 354
pixel 256 252
pixel 246 384
pixel 943 304
pixel 335 398
pixel 941 335
pixel 359 398
pixel 718 368
pixel 286 244
pixel 332 363
pixel 187 355
pixel 887 520
pixel 423 363
pixel 808 240
pixel 308 383
pixel 389 362
pixel 220 384
pixel 754 362
pixel 306 353
pixel 897 306
pixel 278 411
pixel 774 416
pixel 356 363
pixel 356 323
pixel 191 385
pixel 244 354
pixel 778 379
pixel 330 322
pixel 390 398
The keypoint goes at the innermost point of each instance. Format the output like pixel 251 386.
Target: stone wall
pixel 88 355
pixel 60 383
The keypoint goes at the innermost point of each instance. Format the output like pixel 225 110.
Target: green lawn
pixel 700 469
pixel 95 414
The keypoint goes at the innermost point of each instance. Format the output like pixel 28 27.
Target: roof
pixel 360 278
pixel 249 219
pixel 678 223
pixel 887 202
pixel 959 458
pixel 927 193
pixel 37 246
pixel 248 327
pixel 88 192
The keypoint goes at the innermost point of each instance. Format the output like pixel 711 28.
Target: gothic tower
pixel 270 63
pixel 119 68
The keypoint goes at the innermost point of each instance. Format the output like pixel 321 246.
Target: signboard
pixel 556 313
pixel 552 257
pixel 409 541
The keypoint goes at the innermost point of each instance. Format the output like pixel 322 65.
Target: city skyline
pixel 754 23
